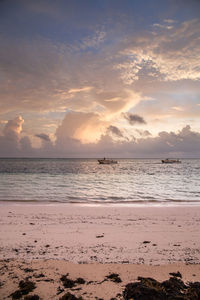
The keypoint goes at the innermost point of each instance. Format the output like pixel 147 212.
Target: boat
pixel 170 161
pixel 106 161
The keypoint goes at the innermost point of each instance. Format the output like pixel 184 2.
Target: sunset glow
pixel 91 78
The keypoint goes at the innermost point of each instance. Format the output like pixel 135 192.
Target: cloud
pixel 84 127
pixel 10 139
pixel 184 143
pixel 134 119
pixel 169 53
pixel 13 144
pixel 78 90
pixel 43 137
pixel 170 21
pixel 115 130
pixel 102 74
pixel 144 133
pixel 163 26
pixel 93 41
pixel 51 76
pixel 13 128
pixel 25 149
pixel 178 108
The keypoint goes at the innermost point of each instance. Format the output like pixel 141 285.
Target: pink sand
pixel 104 234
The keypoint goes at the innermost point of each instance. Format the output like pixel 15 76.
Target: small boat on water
pixel 170 161
pixel 106 161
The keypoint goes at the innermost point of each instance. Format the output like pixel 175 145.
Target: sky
pixel 95 78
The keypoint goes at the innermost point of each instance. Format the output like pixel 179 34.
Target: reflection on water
pixel 84 180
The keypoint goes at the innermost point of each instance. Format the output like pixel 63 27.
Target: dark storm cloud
pixel 134 119
pixel 115 130
pixel 43 137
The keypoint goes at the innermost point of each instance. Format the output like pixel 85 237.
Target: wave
pixel 124 202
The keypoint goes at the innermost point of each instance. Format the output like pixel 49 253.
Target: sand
pixel 92 242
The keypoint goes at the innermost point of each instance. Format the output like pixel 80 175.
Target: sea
pixel 85 181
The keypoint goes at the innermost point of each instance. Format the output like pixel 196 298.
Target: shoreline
pixel 137 203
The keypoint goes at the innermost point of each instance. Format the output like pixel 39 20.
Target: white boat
pixel 106 161
pixel 170 161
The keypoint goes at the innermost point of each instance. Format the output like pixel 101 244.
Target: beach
pixel 93 241
pixel 99 150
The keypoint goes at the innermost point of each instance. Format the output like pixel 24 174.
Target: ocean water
pixel 139 181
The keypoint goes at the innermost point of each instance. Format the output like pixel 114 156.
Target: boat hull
pixel 171 161
pixel 107 161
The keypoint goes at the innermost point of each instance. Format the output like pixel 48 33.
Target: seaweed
pixel 171 289
pixel 114 277
pixel 69 283
pixel 25 287
pixel 176 274
pixel 69 296
pixel 80 280
pixel 32 297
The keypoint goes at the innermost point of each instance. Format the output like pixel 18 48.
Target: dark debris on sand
pixel 41 275
pixel 114 277
pixel 25 287
pixel 27 270
pixel 69 283
pixel 171 289
pixel 80 280
pixel 69 296
pixel 32 297
pixel 176 274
